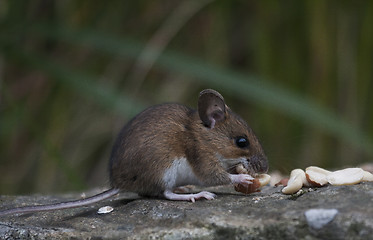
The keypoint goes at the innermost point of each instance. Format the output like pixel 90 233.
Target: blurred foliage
pixel 73 72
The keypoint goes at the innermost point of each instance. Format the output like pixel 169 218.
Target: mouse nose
pixel 259 163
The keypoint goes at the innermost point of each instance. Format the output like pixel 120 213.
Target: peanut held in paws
pixel 259 181
pixel 250 188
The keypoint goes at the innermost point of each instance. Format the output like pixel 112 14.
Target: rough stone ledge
pixel 342 212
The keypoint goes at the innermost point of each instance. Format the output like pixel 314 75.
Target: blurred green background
pixel 72 73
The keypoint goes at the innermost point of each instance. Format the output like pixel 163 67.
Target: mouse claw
pixel 206 195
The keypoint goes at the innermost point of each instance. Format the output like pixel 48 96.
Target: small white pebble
pixel 104 210
pixel 318 217
pixel 300 192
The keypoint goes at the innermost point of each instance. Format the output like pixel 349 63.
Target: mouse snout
pixel 258 164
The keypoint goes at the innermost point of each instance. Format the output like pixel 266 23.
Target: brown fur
pixel 149 144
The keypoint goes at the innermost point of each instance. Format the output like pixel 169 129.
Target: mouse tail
pixel 62 205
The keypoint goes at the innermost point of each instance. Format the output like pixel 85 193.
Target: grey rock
pixel 265 215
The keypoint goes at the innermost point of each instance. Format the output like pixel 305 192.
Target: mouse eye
pixel 242 142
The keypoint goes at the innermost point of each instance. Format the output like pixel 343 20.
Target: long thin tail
pixel 55 206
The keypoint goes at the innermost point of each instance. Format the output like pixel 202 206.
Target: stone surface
pixel 265 215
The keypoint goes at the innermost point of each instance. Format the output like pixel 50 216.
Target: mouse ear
pixel 211 107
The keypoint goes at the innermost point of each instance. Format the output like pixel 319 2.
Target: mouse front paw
pixel 244 179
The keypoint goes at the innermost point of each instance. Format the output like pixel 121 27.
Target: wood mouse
pixel 170 145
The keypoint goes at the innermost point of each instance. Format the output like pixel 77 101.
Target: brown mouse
pixel 170 145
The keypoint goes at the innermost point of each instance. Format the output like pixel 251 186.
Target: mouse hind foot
pixel 188 197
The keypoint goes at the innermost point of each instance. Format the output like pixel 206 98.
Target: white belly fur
pixel 180 174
